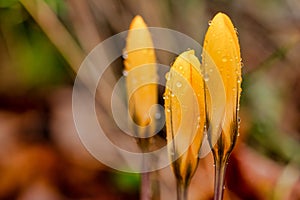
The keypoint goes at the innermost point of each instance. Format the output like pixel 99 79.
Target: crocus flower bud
pixel 221 48
pixel 140 71
pixel 185 115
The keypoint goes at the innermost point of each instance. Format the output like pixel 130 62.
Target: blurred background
pixel 43 42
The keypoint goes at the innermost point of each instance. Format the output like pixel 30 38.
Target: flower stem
pixel 182 190
pixel 145 186
pixel 220 169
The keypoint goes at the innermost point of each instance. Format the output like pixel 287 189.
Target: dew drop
pixel 124 54
pixel 239 120
pixel 167 76
pixel 206 77
pixel 209 22
pixel 236 31
pixel 125 73
pixel 157 115
pixel 242 64
pixel 166 96
pixel 224 59
pixel 172 95
pixel 178 84
pixel 168 110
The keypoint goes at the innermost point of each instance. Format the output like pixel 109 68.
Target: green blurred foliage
pixel 264 99
pixel 35 62
pixel 126 182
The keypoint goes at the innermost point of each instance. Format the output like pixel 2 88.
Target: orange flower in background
pixel 185 115
pixel 221 49
pixel 140 70
pixel 140 67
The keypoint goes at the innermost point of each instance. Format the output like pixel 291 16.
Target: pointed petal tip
pixel 220 16
pixel 187 53
pixel 137 22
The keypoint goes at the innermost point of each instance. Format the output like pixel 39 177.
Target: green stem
pixel 220 170
pixel 182 190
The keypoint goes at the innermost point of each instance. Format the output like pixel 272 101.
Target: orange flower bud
pixel 140 67
pixel 185 114
pixel 221 48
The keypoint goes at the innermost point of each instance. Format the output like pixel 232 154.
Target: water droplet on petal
pixel 125 73
pixel 209 22
pixel 239 120
pixel 157 115
pixel 224 59
pixel 236 31
pixel 206 77
pixel 167 76
pixel 124 54
pixel 178 84
pixel 239 80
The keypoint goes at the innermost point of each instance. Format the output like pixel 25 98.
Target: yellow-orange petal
pixel 185 114
pixel 140 67
pixel 222 47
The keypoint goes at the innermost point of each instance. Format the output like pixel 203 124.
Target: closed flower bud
pixel 140 70
pixel 185 115
pixel 221 49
